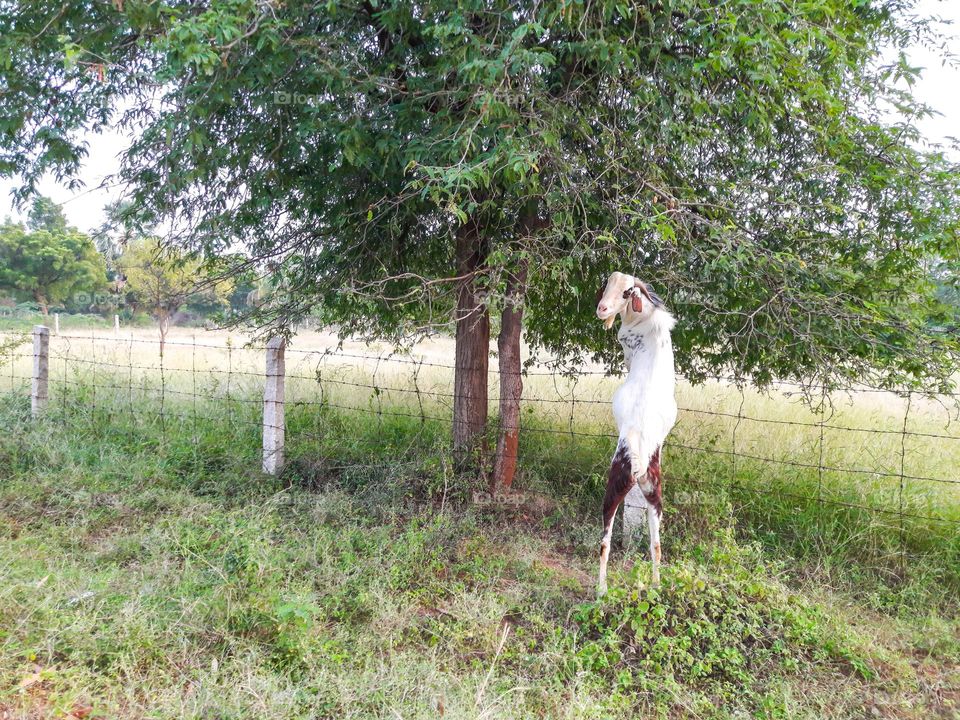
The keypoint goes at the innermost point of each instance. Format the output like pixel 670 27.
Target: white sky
pixel 939 87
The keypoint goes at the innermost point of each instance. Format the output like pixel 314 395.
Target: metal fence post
pixel 273 415
pixel 41 370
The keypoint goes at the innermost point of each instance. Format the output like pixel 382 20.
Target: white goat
pixel 644 407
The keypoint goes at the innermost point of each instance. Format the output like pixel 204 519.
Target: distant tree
pixel 45 214
pixel 48 261
pixel 162 281
pixel 244 292
pixel 120 227
pixel 946 275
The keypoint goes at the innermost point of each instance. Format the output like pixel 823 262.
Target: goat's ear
pixel 635 301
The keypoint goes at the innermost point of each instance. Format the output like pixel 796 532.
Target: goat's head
pixel 625 293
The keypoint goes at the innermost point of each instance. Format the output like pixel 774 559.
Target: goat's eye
pixel 626 294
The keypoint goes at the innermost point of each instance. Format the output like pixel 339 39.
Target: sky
pixel 939 87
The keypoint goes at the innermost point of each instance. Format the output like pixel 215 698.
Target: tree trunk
pixel 41 300
pixel 511 384
pixel 470 395
pixel 163 323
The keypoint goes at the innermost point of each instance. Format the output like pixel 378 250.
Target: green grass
pixel 24 321
pixel 150 570
pixel 842 523
pixel 81 323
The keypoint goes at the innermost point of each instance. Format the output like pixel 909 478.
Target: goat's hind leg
pixel 653 523
pixel 654 497
pixel 604 556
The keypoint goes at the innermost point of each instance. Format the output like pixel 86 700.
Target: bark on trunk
pixel 470 395
pixel 508 344
pixel 511 383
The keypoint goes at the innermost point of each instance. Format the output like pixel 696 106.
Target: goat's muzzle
pixel 602 311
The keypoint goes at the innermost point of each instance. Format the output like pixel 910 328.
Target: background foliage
pixel 47 261
pixel 757 160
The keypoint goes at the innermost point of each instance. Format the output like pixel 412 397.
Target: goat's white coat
pixel 644 406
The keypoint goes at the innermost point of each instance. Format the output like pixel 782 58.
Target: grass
pixel 757 456
pixel 24 321
pixel 149 570
pixel 13 320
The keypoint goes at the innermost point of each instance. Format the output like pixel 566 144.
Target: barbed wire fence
pixel 888 458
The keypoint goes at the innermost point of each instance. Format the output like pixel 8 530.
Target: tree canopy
pixel 757 160
pixel 48 261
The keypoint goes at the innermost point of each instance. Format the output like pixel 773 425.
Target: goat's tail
pixel 645 464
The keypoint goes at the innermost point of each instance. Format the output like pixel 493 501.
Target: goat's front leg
pixel 619 481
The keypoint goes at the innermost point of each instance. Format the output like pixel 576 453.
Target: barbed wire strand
pixel 257 424
pixel 99 363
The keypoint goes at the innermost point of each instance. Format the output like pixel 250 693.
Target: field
pixel 150 570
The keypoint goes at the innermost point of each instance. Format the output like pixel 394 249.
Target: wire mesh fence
pixel 885 459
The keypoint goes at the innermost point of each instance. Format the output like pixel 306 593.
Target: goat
pixel 644 408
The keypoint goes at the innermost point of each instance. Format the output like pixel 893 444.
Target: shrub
pixel 717 624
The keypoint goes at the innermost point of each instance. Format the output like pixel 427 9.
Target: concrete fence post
pixel 56 323
pixel 116 326
pixel 273 415
pixel 41 370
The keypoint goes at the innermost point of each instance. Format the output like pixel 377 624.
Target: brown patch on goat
pixel 655 495
pixel 636 302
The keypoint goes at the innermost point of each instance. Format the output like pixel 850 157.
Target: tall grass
pixel 822 488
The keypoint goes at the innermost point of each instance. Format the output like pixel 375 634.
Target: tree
pixel 163 281
pixel 45 214
pixel 49 262
pixel 118 230
pixel 403 163
pixel 946 277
